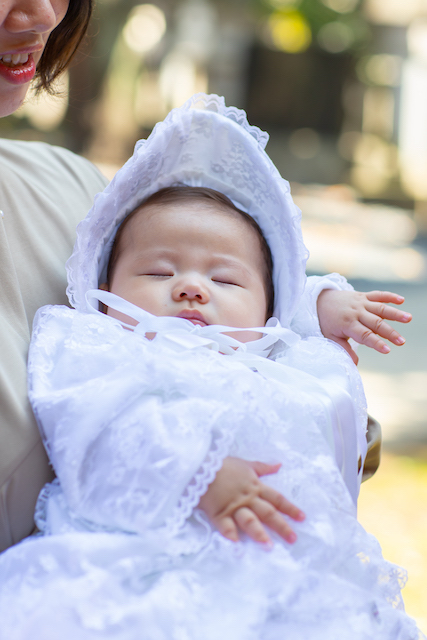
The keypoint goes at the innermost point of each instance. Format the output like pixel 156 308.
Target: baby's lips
pixel 193 316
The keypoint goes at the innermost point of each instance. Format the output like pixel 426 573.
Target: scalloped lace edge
pixel 213 102
pixel 189 500
pixel 198 486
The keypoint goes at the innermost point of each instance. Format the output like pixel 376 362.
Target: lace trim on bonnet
pixel 203 143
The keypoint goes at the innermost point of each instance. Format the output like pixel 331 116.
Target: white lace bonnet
pixel 202 143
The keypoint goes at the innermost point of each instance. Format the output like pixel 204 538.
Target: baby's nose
pixel 191 290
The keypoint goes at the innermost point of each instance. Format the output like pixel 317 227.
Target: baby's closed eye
pixel 158 275
pixel 226 281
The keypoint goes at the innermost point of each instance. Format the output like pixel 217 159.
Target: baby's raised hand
pixel 238 500
pixel 361 316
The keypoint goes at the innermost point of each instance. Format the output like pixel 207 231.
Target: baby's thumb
pixel 264 469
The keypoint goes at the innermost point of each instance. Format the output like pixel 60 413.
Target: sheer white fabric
pixel 135 430
pixel 305 321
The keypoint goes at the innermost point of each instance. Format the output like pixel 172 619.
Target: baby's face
pixel 192 260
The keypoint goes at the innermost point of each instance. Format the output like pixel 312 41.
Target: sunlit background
pixel 341 86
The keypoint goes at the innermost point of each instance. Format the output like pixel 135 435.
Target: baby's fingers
pixel 385 296
pixel 371 340
pixel 388 313
pixel 364 335
pixel 271 517
pixel 280 503
pixel 263 468
pixel 227 527
pixel 248 522
pixel 373 328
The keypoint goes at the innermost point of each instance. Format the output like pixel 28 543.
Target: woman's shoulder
pixel 35 161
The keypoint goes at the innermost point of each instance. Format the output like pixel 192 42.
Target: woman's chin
pixel 10 101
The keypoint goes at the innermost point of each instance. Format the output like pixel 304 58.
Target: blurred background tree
pixel 331 80
pixel 323 76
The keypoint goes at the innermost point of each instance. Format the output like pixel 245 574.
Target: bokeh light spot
pixel 335 37
pixel 408 263
pixel 145 28
pixel 380 69
pixel 290 31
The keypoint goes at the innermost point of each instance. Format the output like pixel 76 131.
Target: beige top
pixel 44 192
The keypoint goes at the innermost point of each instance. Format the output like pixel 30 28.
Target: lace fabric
pixel 124 548
pixel 205 144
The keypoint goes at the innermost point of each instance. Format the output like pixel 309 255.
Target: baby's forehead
pixel 208 217
pixel 192 205
pixel 194 227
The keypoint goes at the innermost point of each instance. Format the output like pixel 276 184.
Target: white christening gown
pixel 136 430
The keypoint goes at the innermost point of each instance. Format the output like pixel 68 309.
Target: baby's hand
pixel 357 315
pixel 237 500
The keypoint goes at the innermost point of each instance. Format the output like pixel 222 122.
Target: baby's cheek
pixel 121 317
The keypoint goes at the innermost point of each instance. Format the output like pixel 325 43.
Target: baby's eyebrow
pixel 228 262
pixel 216 260
pixel 153 253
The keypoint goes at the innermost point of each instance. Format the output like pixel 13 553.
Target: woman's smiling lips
pixel 194 316
pixel 19 67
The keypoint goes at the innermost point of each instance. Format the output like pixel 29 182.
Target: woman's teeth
pixel 13 59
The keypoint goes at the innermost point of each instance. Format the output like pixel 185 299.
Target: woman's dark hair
pixel 183 193
pixel 63 42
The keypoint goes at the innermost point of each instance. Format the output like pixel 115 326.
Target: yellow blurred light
pixel 145 28
pixel 289 31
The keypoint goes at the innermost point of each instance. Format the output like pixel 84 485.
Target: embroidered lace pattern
pixel 123 545
pixel 207 144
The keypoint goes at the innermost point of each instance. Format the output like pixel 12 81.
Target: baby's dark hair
pixel 181 193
